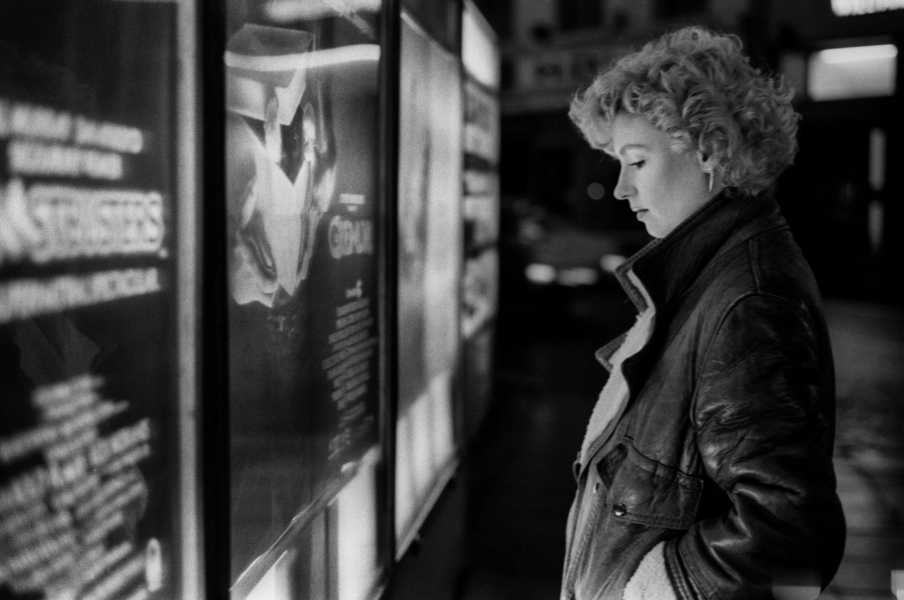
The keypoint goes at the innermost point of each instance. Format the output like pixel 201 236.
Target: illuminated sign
pixel 854 72
pixel 846 8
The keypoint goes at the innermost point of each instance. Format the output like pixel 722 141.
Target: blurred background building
pixel 840 57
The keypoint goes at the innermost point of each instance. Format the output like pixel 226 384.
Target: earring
pixel 711 177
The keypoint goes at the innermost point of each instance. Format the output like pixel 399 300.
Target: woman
pixel 706 470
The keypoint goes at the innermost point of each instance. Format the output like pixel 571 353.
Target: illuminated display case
pixel 429 267
pixel 302 162
pixel 92 439
pixel 481 208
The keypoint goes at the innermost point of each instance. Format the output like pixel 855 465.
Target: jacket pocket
pixel 649 493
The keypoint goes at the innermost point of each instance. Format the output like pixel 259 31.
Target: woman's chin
pixel 654 231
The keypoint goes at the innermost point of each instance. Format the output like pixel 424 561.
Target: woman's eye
pixel 637 164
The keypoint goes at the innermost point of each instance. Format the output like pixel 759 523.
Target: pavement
pixel 868 343
pixel 518 472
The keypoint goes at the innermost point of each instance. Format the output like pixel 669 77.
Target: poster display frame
pixel 212 364
pixel 317 512
pixel 153 139
pixel 189 240
pixel 388 264
pixel 444 473
pixel 392 547
pixel 481 65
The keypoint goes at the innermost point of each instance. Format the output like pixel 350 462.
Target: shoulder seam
pixel 722 318
pixel 754 256
pixel 725 255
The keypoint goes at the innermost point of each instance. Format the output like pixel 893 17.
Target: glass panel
pixel 439 18
pixel 356 523
pixel 856 72
pixel 88 301
pixel 430 158
pixel 279 582
pixel 302 193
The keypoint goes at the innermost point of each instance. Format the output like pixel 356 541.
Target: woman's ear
pixel 707 162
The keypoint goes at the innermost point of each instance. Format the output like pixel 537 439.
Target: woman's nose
pixel 621 188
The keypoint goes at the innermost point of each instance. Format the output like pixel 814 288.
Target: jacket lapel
pixel 669 267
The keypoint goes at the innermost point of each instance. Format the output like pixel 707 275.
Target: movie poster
pixel 429 268
pixel 302 186
pixel 89 497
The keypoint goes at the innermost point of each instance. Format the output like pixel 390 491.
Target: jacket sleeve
pixel 764 414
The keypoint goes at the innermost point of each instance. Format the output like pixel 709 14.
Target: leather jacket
pixel 723 453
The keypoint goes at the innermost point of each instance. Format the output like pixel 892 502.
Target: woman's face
pixel 663 187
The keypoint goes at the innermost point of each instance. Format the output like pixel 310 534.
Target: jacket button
pixel 596 487
pixel 619 509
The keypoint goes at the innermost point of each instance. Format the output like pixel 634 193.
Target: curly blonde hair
pixel 698 87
